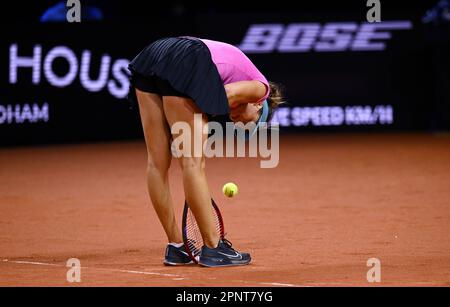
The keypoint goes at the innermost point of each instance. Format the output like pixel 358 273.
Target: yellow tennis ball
pixel 230 189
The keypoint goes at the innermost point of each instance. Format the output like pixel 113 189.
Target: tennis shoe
pixel 176 256
pixel 222 256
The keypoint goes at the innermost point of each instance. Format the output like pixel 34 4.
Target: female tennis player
pixel 173 79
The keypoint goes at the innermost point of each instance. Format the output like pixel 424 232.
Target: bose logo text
pixel 331 37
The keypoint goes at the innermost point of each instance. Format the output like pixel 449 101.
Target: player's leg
pixel 180 109
pixel 215 252
pixel 157 138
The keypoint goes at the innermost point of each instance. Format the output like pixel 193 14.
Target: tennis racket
pixel 192 237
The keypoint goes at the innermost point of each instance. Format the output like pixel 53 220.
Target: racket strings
pixel 194 236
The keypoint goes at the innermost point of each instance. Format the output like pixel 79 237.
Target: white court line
pixel 33 263
pixel 173 276
pixel 279 284
pixel 99 269
pixel 275 284
pixel 141 272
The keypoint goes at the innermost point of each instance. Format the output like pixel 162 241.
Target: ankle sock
pixel 177 245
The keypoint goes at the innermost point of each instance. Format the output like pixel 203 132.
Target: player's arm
pixel 245 92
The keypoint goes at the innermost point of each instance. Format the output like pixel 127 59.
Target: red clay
pixel 333 203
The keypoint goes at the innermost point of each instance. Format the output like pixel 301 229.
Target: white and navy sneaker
pixel 223 255
pixel 177 255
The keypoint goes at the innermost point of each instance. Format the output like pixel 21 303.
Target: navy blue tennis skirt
pixel 186 64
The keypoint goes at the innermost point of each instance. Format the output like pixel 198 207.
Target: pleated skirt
pixel 187 65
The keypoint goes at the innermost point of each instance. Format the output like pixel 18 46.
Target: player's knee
pixel 158 166
pixel 192 163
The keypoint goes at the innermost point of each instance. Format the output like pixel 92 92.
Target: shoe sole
pixel 222 266
pixel 167 263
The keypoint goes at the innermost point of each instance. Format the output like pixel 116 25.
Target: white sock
pixel 177 245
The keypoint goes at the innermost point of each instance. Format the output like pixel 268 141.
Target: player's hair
pixel 275 98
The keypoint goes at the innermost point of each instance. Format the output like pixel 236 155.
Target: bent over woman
pixel 173 79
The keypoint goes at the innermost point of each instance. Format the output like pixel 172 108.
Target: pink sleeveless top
pixel 233 65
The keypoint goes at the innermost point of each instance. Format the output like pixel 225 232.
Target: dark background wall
pixel 403 87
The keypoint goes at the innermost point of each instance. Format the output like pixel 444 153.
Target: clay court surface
pixel 334 202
